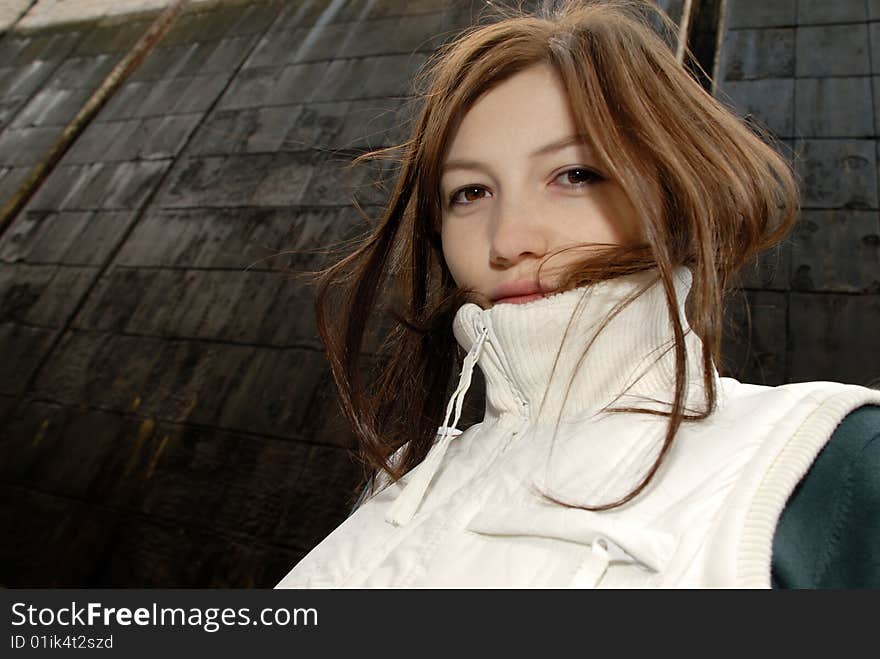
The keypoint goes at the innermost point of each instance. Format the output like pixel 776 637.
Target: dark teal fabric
pixel 829 533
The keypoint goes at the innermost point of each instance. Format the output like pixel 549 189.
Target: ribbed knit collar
pixel 629 363
pixel 634 351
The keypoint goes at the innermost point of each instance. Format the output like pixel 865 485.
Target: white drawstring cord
pixel 594 566
pixel 408 501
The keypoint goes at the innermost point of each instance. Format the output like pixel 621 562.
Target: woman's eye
pixel 467 195
pixel 578 177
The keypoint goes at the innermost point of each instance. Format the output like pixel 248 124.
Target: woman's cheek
pixel 449 250
pixel 459 251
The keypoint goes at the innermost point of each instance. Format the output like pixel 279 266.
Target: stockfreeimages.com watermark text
pixel 210 619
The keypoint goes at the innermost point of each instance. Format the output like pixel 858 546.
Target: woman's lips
pixel 520 292
pixel 519 299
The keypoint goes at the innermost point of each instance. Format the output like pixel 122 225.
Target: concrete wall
pixel 37 14
pixel 166 409
pixel 166 414
pixel 808 70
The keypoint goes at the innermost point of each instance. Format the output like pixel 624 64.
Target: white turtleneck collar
pixel 635 348
pixel 516 347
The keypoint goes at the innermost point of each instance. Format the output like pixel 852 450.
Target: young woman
pixel 570 209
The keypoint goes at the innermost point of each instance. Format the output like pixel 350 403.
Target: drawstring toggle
pixel 408 501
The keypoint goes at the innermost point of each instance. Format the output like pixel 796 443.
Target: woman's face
pixel 517 185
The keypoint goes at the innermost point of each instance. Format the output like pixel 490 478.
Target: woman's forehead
pixel 525 115
pixel 553 146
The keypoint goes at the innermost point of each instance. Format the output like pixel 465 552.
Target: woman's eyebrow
pixel 556 145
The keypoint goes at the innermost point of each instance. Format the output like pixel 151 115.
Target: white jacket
pixel 471 514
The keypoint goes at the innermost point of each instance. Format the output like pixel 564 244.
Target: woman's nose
pixel 516 233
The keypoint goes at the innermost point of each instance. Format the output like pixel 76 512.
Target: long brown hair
pixel 710 190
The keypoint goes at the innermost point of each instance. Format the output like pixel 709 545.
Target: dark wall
pixel 166 413
pixel 807 70
pixel 165 398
